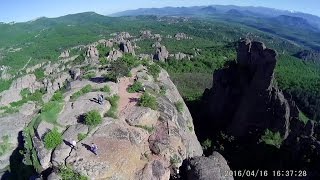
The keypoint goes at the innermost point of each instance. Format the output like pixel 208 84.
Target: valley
pixel 180 89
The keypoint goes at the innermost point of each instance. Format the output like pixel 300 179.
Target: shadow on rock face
pixel 19 170
pixel 98 80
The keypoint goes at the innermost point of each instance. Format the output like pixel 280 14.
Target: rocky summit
pixel 134 140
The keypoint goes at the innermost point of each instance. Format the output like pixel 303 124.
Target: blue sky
pixel 25 10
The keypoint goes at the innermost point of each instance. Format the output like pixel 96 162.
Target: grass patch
pixel 39 73
pixel 175 159
pixel 272 138
pixel 5 146
pixel 67 173
pixel 81 136
pixel 163 90
pixel 93 118
pixel 113 111
pixel 28 96
pixel 135 87
pixel 148 100
pixel 303 117
pixel 29 153
pixel 52 139
pixel 147 128
pixel 154 70
pixel 207 144
pixel 179 106
pixel 50 111
pixel 89 75
pixel 58 96
pixel 106 89
pixel 84 90
pixel 5 85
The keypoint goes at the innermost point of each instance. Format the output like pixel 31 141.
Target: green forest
pixel 44 40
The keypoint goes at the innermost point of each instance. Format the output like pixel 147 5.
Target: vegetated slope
pixel 45 38
pixel 299 27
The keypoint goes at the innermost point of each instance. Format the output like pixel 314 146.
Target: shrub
pixel 39 73
pixel 175 159
pixel 272 138
pixel 206 144
pixel 84 90
pixel 135 87
pixel 106 89
pixel 113 111
pixel 87 89
pixel 179 106
pixel 52 139
pixel 147 100
pixel 303 117
pixel 58 96
pixel 93 118
pixel 89 75
pixel 111 77
pixel 50 111
pixel 67 173
pixel 154 70
pixel 5 84
pixel 163 90
pixel 81 136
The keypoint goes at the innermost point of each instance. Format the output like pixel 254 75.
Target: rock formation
pixel 28 81
pixel 245 101
pixel 181 36
pixel 127 47
pixel 245 95
pixel 114 55
pixel 161 54
pixel 214 167
pixel 65 54
pixel 92 52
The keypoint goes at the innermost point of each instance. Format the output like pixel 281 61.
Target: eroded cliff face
pixel 245 98
pixel 244 102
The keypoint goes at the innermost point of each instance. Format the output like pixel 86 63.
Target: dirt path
pixel 127 100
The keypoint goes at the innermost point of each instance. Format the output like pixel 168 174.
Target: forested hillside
pixel 215 41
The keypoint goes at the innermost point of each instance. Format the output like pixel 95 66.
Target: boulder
pixel 181 36
pixel 180 56
pixel 65 54
pixel 213 167
pixel 155 170
pixel 161 54
pixel 43 154
pixel 75 73
pixel 114 55
pixel 146 34
pixel 92 53
pixel 127 47
pixel 143 117
pixel 156 44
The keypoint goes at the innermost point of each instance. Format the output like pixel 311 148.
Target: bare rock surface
pixel 246 96
pixel 13 93
pixel 43 154
pixel 213 167
pixel 65 54
pixel 114 55
pixel 127 47
pixel 161 54
pixel 82 105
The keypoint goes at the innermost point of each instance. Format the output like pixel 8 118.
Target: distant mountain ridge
pixel 220 9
